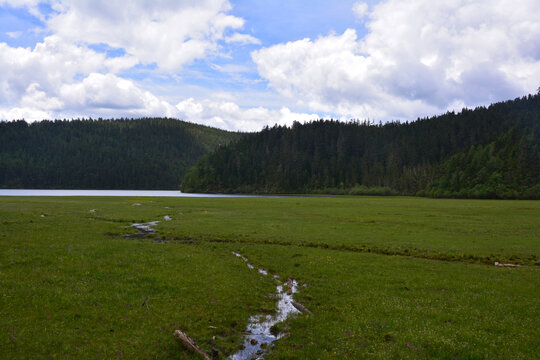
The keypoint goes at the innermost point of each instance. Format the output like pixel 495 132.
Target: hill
pixel 491 152
pixel 150 153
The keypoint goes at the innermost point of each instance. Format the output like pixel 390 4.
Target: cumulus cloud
pixel 115 96
pixel 97 95
pixel 33 78
pixel 228 115
pixel 18 113
pixel 169 33
pixel 419 57
pixel 63 76
pixel 35 98
pixel 50 64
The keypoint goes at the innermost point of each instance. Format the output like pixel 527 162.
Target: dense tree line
pixel 151 153
pixel 485 152
pixel 507 168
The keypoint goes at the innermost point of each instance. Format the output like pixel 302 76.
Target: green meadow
pixel 385 277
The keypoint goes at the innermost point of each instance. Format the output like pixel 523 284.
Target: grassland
pixel 385 277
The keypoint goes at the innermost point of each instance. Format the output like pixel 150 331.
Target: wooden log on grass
pixel 301 308
pixel 190 344
pixel 506 264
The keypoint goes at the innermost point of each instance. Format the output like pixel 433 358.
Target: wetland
pixel 386 277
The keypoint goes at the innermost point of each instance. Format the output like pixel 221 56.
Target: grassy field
pixel 385 277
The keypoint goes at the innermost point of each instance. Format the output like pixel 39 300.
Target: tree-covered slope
pixel 405 158
pixel 151 153
pixel 508 168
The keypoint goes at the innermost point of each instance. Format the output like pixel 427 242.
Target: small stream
pixel 259 335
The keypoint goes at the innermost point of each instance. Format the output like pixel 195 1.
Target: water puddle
pixel 145 227
pixel 260 332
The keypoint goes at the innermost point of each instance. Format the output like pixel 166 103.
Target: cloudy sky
pixel 244 64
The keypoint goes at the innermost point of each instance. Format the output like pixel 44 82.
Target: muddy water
pixel 259 335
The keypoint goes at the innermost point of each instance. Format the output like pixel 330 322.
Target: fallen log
pixel 505 264
pixel 301 308
pixel 190 344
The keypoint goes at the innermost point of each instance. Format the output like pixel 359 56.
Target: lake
pixel 138 193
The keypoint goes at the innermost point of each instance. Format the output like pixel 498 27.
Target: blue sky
pixel 241 65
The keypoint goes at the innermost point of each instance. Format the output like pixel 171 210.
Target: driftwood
pixel 301 308
pixel 506 264
pixel 188 343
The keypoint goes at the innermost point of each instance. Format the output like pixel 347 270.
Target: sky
pixel 244 64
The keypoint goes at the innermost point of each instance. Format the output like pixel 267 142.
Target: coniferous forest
pixel 491 152
pixel 103 154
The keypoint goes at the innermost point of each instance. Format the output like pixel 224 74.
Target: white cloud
pixel 360 9
pixel 33 78
pixel 34 98
pixel 19 3
pixel 14 34
pixel 50 64
pixel 18 113
pixel 41 83
pixel 109 95
pixel 31 5
pixel 243 39
pixel 231 68
pixel 62 76
pixel 169 33
pixel 419 57
pixel 228 115
pixel 97 95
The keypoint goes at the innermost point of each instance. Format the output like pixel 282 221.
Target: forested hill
pixel 489 152
pixel 151 153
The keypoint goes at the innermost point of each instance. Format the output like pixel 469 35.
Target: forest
pixel 150 153
pixel 487 152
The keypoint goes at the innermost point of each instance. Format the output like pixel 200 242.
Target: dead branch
pixel 190 344
pixel 301 308
pixel 145 303
pixel 505 264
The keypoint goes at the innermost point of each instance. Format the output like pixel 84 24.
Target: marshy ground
pixel 386 277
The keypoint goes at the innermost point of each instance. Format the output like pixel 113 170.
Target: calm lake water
pixel 139 193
